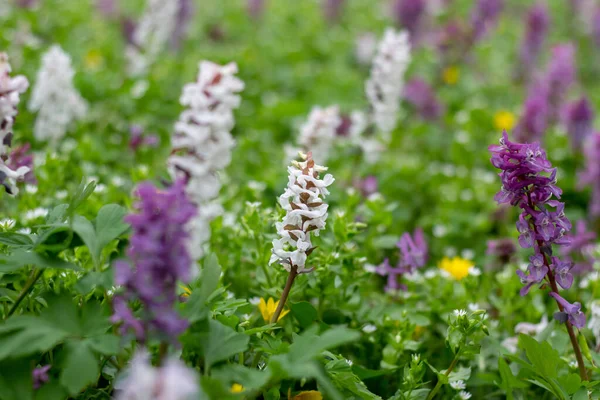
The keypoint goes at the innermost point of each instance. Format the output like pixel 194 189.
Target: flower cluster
pixel 21 157
pixel 10 89
pixel 591 174
pixel 579 121
pixel 580 250
pixel 318 133
pixel 536 30
pixel 560 75
pixel 54 97
pixel 158 259
pixel 173 380
pixel 40 376
pixel 408 14
pixel 385 85
pixel 529 182
pixel 306 213
pixel 413 255
pixel 202 142
pixel 152 33
pixel 534 119
pixel 484 16
pixel 422 97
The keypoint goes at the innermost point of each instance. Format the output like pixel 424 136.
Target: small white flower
pixel 510 344
pixel 439 231
pixel 473 307
pixel 464 395
pixel 35 214
pixel 24 231
pixel 254 300
pixel 532 329
pixel 365 47
pixel 257 186
pixel 430 273
pixel 61 194
pixel 100 188
pixel 117 181
pixel 474 271
pixel 349 362
pixel 458 385
pixel 172 381
pixel 369 328
pixel 460 313
pixel 7 223
pixel 54 97
pixel 468 254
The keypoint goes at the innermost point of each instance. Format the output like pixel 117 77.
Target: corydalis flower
pixel 503 249
pixel 579 121
pixel 536 29
pixel 306 213
pixel 158 259
pixel 591 174
pixel 413 255
pixel 408 14
pixel 332 9
pixel 318 133
pixel 10 89
pixel 21 157
pixel 151 34
pixel 385 85
pixel 54 97
pixel 484 16
pixel 560 75
pixel 529 182
pixel 40 376
pixel 202 142
pixel 185 13
pixel 171 381
pixel 534 118
pixel 138 139
pixel 580 248
pixel 422 97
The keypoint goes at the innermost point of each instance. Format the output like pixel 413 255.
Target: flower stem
pixel 35 275
pixel 554 288
pixel 572 336
pixel 285 294
pixel 438 385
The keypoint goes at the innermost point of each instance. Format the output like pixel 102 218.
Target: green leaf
pixel 305 313
pixel 104 344
pixel 82 192
pixel 24 335
pixel 54 239
pixel 87 233
pixel 249 378
pixel 542 356
pixel 109 224
pixel 385 242
pixel 51 391
pixel 57 214
pixel 15 380
pixel 80 367
pixel 365 373
pixel 14 239
pixel 570 383
pixel 21 258
pixel 196 308
pixel 222 342
pixel 309 345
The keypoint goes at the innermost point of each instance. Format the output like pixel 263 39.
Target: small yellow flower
pixel 237 388
pixel 267 309
pixel 186 291
pixel 457 267
pixel 93 60
pixel 309 395
pixel 451 75
pixel 504 120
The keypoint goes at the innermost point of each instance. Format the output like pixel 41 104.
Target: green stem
pixel 267 275
pixel 35 275
pixel 438 385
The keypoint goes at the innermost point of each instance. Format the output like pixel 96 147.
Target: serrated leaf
pixel 104 344
pixel 80 367
pixel 82 192
pixel 542 356
pixel 87 233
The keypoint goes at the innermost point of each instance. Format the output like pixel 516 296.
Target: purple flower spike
pixel 596 27
pixel 590 176
pixel 536 30
pixel 422 97
pixel 184 16
pixel 256 8
pixel 158 260
pixel 332 9
pixel 560 75
pixel 40 376
pixel 571 312
pixel 579 119
pixel 484 16
pixel 413 255
pixel 581 249
pixel 536 113
pixel 408 14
